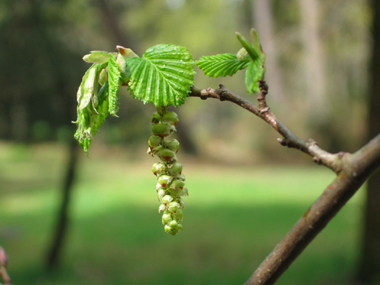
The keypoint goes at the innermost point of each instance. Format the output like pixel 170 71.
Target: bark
pixel 55 251
pixel 369 268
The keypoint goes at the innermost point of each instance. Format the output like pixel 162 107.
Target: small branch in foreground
pixel 320 156
pixel 356 170
pixel 3 267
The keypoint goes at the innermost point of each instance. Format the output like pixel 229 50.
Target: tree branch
pixel 352 171
pixel 356 169
pixel 320 156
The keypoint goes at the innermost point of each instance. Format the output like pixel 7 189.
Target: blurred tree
pixel 369 269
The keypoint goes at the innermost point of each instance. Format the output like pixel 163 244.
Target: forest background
pixel 243 186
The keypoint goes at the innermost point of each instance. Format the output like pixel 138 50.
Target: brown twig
pixel 320 156
pixel 352 171
pixel 3 267
pixel 356 169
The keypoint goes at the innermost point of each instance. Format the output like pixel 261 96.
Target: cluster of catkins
pixel 170 180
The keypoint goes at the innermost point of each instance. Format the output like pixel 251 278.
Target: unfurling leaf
pixel 253 75
pixel 222 64
pixel 163 76
pixel 114 76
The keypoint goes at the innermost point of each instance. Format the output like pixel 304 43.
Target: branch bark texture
pixel 352 171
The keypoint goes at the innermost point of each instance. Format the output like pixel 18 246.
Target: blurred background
pixel 69 219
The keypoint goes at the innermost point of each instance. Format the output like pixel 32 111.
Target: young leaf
pixel 91 118
pixel 113 86
pixel 163 76
pixel 222 64
pixel 253 75
pixel 97 57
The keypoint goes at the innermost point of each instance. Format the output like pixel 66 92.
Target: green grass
pixel 233 218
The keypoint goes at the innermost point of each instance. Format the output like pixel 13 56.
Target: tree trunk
pixel 369 268
pixel 54 253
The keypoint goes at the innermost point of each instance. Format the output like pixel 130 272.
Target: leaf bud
pixel 166 199
pixel 174 207
pixel 154 141
pixel 164 180
pixel 156 118
pixel 178 215
pixel 158 168
pixel 161 193
pixel 177 184
pixel 183 192
pixel 175 169
pixel 172 145
pixel 166 155
pixel 166 218
pixel 173 224
pixel 170 118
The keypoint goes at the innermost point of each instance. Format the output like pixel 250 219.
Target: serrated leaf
pixel 91 118
pixel 113 86
pixel 163 76
pixel 254 73
pixel 89 85
pixel 222 64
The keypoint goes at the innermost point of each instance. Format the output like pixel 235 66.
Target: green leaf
pixel 163 76
pixel 253 53
pixel 254 73
pixel 114 76
pixel 91 118
pixel 222 64
pixel 97 57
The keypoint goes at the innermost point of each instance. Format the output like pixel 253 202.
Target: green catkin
pixel 170 180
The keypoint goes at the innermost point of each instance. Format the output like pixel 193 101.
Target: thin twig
pixel 320 156
pixel 3 267
pixel 357 168
pixel 352 171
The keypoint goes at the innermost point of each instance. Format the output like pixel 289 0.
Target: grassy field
pixel 233 218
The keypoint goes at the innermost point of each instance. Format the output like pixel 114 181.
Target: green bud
pixel 166 155
pixel 177 184
pixel 173 224
pixel 158 168
pixel 172 145
pixel 175 169
pixel 102 77
pixel 161 193
pixel 179 227
pixel 164 180
pixel 178 215
pixel 162 207
pixel 241 53
pixel 170 118
pixel 174 207
pixel 168 229
pixel 166 199
pixel 183 192
pixel 154 141
pixel 166 218
pixel 156 118
pixel 161 130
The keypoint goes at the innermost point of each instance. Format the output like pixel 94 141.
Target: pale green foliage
pixel 250 56
pixel 222 64
pixel 163 76
pixel 114 76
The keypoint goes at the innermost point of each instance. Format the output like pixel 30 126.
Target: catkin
pixel 170 185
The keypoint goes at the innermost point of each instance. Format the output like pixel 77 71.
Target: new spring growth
pixel 170 185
